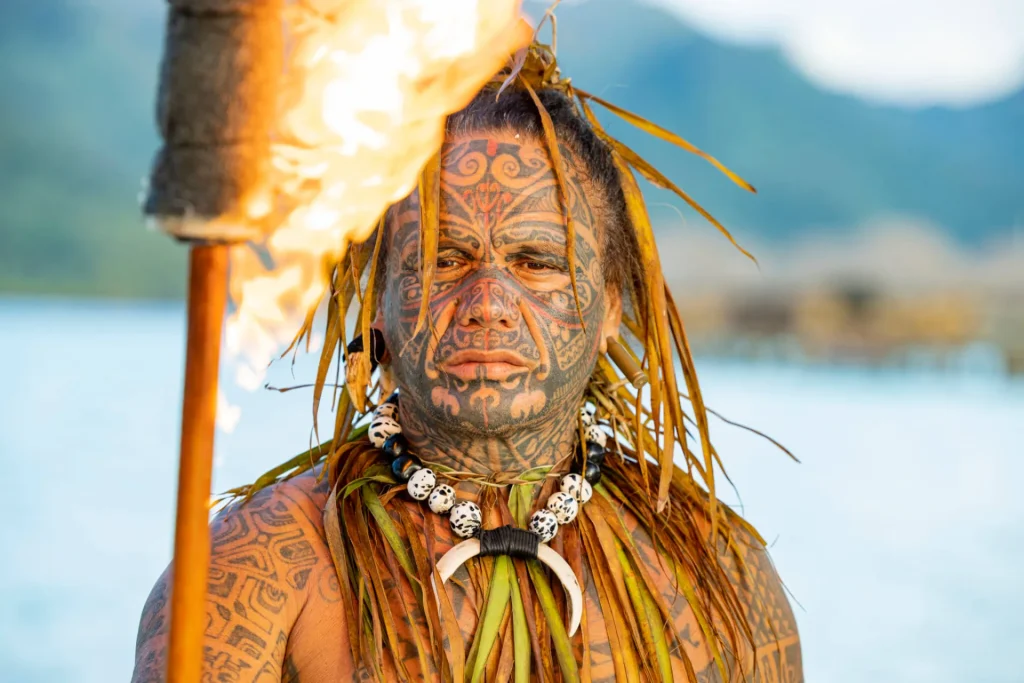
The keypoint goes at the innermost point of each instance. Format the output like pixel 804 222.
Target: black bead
pixel 393 398
pixel 394 446
pixel 595 452
pixel 403 466
pixel 592 473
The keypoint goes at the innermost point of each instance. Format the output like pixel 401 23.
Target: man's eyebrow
pixel 444 242
pixel 465 245
pixel 539 247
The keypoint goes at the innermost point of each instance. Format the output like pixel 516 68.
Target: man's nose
pixel 489 304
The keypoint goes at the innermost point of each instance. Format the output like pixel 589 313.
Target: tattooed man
pixel 493 386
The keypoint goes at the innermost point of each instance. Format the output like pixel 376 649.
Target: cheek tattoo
pixel 507 351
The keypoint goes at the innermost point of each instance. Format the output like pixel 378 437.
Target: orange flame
pixel 367 87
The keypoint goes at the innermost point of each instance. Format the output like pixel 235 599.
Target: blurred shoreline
pixel 896 292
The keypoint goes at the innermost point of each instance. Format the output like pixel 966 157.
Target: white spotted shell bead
pixel 386 410
pixel 465 518
pixel 577 487
pixel 544 524
pixel 586 417
pixel 597 435
pixel 421 483
pixel 381 428
pixel 564 506
pixel 441 499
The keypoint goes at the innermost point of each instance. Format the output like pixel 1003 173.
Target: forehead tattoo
pixel 501 190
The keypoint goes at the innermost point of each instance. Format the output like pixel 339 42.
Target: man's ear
pixel 612 317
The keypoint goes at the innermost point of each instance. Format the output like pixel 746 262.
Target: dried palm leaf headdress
pixel 677 506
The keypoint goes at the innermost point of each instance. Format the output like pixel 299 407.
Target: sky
pixel 907 52
pixel 957 53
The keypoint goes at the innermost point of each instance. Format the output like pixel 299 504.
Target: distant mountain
pixel 820 161
pixel 77 85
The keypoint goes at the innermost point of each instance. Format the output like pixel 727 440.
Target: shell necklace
pixel 466 518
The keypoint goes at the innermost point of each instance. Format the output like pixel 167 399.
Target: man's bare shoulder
pixel 299 500
pixel 267 554
pixel 276 535
pixel 773 631
pixel 769 612
pixel 777 654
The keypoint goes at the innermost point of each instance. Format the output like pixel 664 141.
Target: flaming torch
pixel 291 126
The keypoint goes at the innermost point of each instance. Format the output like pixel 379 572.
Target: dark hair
pixel 515 111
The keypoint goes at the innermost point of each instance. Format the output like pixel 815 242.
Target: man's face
pixel 507 346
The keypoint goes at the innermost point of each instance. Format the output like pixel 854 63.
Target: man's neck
pixel 511 450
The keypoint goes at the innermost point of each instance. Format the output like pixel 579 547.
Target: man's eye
pixel 448 262
pixel 535 266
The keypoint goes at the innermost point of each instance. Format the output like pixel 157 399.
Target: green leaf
pixel 519 501
pixel 563 647
pixel 520 634
pixel 648 616
pixel 390 531
pixel 490 622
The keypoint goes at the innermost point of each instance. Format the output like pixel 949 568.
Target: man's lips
pixel 492 365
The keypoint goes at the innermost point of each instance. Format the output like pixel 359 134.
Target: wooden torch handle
pixel 207 299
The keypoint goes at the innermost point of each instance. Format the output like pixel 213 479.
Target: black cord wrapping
pixel 508 540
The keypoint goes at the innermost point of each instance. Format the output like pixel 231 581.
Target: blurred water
pixel 901 534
